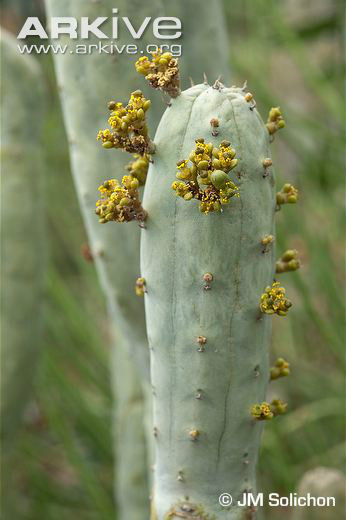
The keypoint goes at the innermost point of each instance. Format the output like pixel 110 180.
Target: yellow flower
pixel 278 407
pixel 262 412
pixel 206 179
pixel 281 368
pixel 287 195
pixel 119 203
pixel 274 301
pixel 140 287
pixel 138 169
pixel 162 72
pixel 129 126
pixel 275 120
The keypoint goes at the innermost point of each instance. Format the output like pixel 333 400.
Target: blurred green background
pixel 291 53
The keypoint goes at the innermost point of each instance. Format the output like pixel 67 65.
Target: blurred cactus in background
pixel 22 223
pixel 84 91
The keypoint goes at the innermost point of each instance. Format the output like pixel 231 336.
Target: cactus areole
pixel 206 438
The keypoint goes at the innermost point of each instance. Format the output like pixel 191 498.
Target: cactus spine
pixel 207 439
pixel 22 257
pixel 85 89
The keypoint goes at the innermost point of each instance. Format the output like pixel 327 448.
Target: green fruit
pixel 219 179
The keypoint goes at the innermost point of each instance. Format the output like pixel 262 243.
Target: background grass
pixel 291 54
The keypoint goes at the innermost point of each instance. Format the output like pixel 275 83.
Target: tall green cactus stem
pixel 22 256
pixel 207 441
pixel 132 456
pixel 87 83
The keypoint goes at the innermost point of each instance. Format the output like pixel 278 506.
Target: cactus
pixel 205 279
pixel 209 289
pixel 132 457
pixel 22 104
pixel 85 88
pixel 179 246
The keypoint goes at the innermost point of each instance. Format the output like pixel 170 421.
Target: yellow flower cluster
pixel 138 169
pixel 287 195
pixel 119 203
pixel 162 72
pixel 266 411
pixel 275 120
pixel 128 124
pixel 278 407
pixel 206 179
pixel 281 368
pixel 274 301
pixel 262 412
pixel 140 287
pixel 289 261
pixel 267 241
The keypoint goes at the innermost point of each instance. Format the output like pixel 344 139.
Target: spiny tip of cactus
pixel 162 72
pixel 274 301
pixel 218 85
